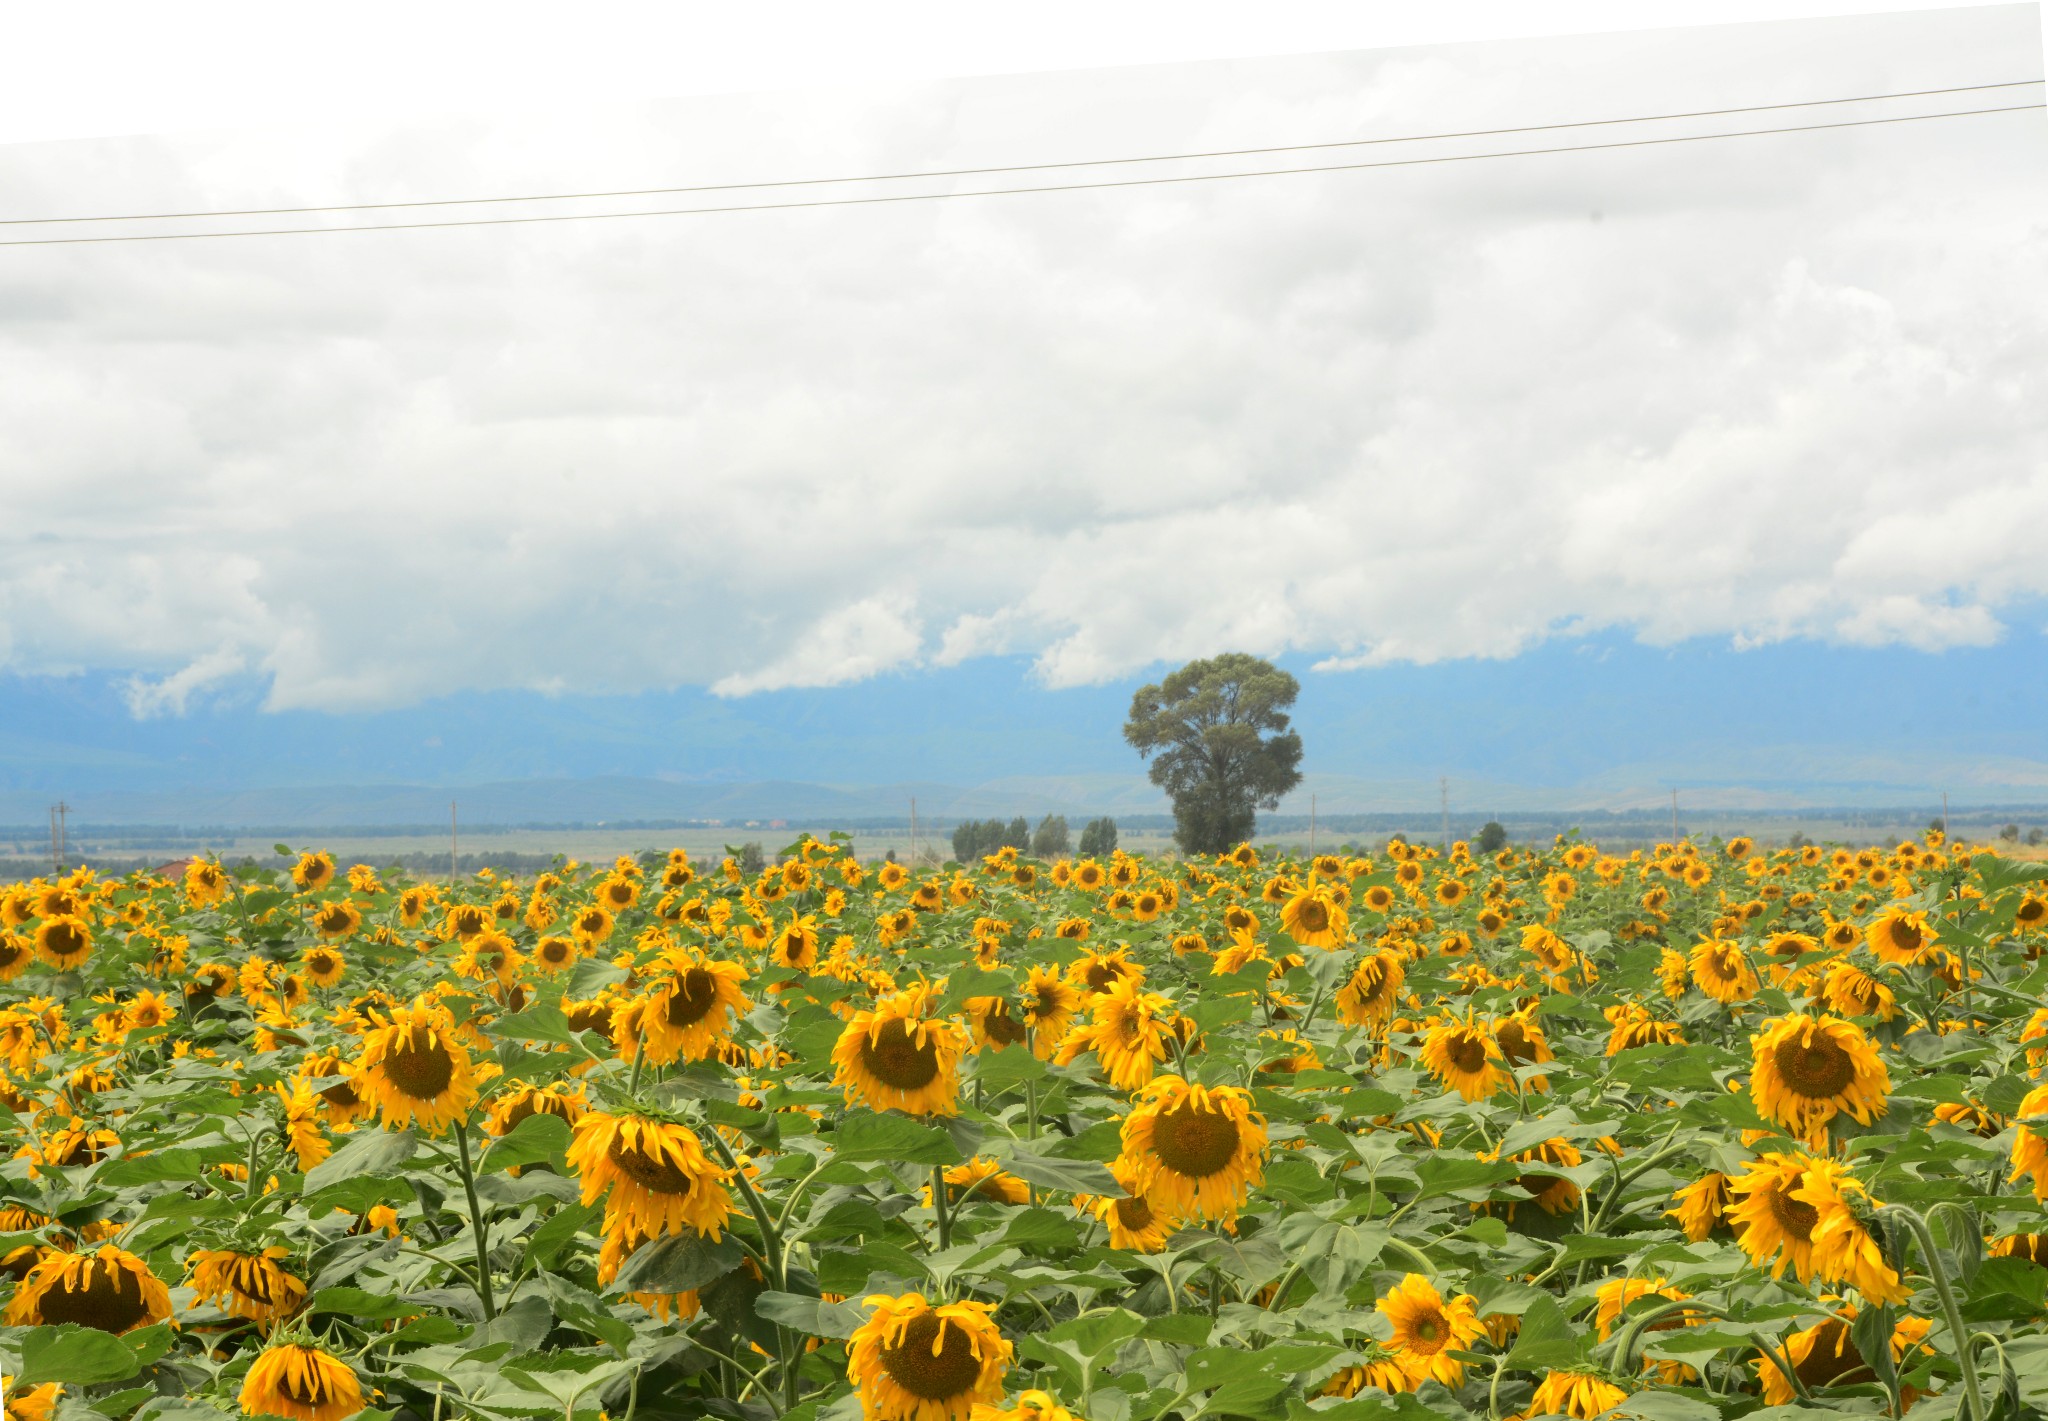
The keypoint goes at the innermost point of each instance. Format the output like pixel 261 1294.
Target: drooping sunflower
pixel 795 944
pixel 489 956
pixel 301 1383
pixel 2029 1150
pixel 1031 1406
pixel 414 1070
pixel 336 920
pixel 313 872
pixel 206 883
pixel 1702 1205
pixel 1722 970
pixel 1370 993
pixel 1097 971
pixel 1464 1056
pixel 915 1362
pixel 896 1056
pixel 1127 1030
pixel 1810 1069
pixel 1798 1212
pixel 660 1180
pixel 111 1290
pixel 63 941
pixel 1851 991
pixel 522 1101
pixel 1428 1328
pixel 692 1010
pixel 1197 1150
pixel 1582 1395
pixel 256 1286
pixel 302 1122
pixel 1825 1355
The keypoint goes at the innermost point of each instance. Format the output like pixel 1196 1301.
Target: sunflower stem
pixel 476 1221
pixel 1937 1271
pixel 940 1212
pixel 249 1184
pixel 639 1063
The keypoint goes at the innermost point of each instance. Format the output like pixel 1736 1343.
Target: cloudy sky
pixel 1778 392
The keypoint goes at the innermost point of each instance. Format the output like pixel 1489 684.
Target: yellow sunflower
pixel 1702 1205
pixel 1096 971
pixel 489 956
pixel 111 1290
pixel 1031 1406
pixel 256 1286
pixel 301 1383
pixel 995 1026
pixel 63 941
pixel 1427 1329
pixel 1127 1031
pixel 1810 1069
pixel 522 1101
pixel 414 1070
pixel 1721 970
pixel 1897 935
pixel 1796 1211
pixel 660 1179
pixel 1851 991
pixel 894 1056
pixel 1825 1355
pixel 1370 993
pixel 984 1180
pixel 1314 918
pixel 2029 1150
pixel 1132 1220
pixel 692 1010
pixel 323 964
pixel 1197 1150
pixel 1464 1056
pixel 915 1362
pixel 1582 1395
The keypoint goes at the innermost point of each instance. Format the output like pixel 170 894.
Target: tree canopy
pixel 1216 732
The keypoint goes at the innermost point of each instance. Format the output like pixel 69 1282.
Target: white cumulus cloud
pixel 1754 390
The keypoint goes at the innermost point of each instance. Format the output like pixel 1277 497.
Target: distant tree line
pixel 978 838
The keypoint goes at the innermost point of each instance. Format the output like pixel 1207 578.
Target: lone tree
pixel 1224 752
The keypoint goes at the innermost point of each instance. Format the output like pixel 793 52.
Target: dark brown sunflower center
pixel 1832 1358
pixel 1195 1142
pixel 1796 1217
pixel 1101 974
pixel 598 1019
pixel 66 939
pixel 1134 1214
pixel 1314 917
pixel 308 1387
pixel 2031 911
pixel 10 951
pixel 934 1360
pixel 110 1300
pixel 656 1175
pixel 691 1000
pixel 343 1095
pixel 2032 1247
pixel 554 951
pixel 1468 1054
pixel 419 1067
pixel 1816 1067
pixel 1906 937
pixel 1001 1028
pixel 1514 1042
pixel 895 1058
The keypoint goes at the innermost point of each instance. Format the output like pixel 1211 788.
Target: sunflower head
pixel 301 1383
pixel 414 1070
pixel 915 1362
pixel 1197 1150
pixel 895 1056
pixel 111 1290
pixel 653 1174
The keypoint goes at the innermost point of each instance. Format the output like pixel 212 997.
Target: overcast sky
pixel 1752 391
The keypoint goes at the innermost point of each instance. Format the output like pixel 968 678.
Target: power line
pixel 1011 168
pixel 884 198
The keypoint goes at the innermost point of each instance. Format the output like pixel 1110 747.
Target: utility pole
pixel 59 836
pixel 1944 811
pixel 1674 816
pixel 453 872
pixel 1443 793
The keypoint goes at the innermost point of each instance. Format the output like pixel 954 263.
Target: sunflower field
pixel 1686 1134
